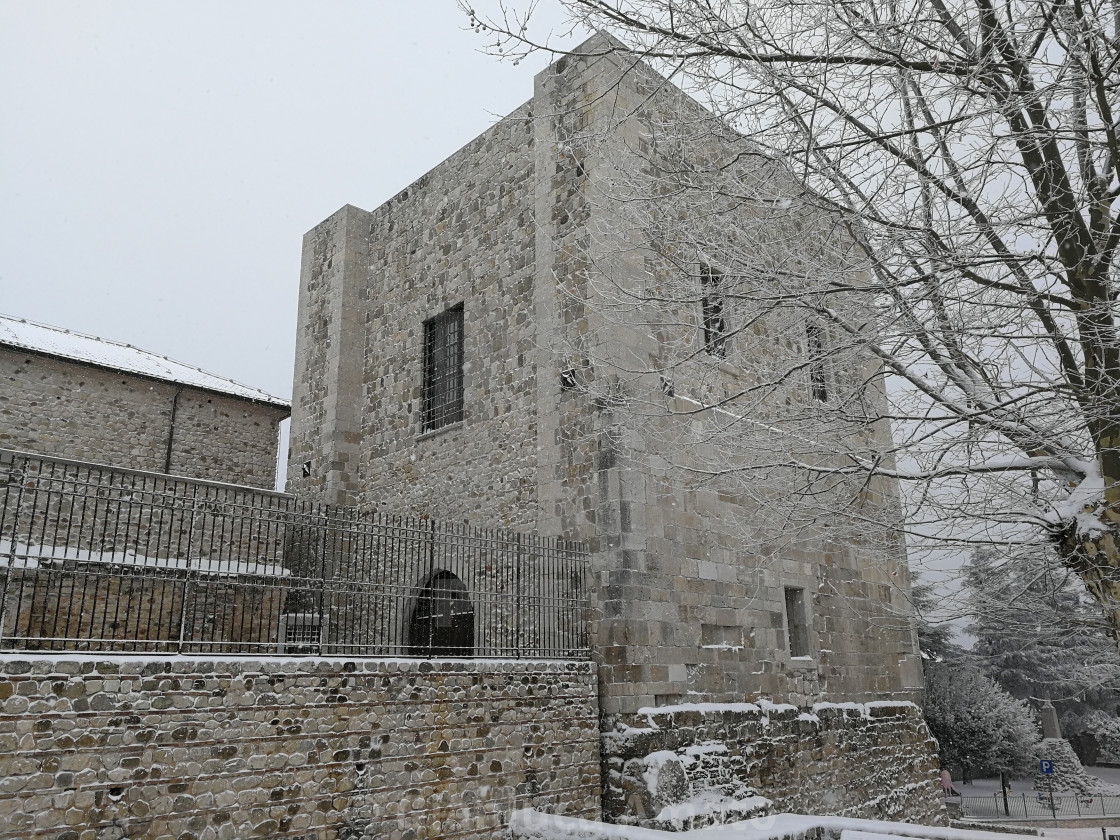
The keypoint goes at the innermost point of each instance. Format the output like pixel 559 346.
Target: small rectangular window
pixel 814 334
pixel 302 633
pixel 711 311
pixel 797 622
pixel 443 369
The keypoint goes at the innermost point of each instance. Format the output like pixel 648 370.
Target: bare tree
pixel 965 153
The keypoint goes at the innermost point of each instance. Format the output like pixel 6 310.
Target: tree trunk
pixel 1097 563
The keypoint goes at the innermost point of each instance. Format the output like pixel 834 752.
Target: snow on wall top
pixel 67 344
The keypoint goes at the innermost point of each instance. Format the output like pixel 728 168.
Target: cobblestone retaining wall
pixel 872 760
pixel 96 749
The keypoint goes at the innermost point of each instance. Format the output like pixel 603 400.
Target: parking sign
pixel 1046 767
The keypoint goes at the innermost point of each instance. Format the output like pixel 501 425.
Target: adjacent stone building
pixel 433 375
pixel 69 395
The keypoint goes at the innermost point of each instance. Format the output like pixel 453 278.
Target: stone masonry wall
pixel 689 594
pixel 873 760
pixel 462 234
pixel 64 409
pixel 56 608
pixel 92 749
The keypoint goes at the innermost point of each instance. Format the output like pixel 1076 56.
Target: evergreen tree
pixel 1038 634
pixel 934 638
pixel 978 726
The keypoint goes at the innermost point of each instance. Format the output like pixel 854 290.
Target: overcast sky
pixel 160 162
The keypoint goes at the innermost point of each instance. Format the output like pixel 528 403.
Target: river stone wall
pixel 872 760
pixel 98 749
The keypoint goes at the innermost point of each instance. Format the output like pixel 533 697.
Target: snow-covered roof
pixel 67 344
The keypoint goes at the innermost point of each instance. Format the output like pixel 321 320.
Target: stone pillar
pixel 325 439
pixel 1050 728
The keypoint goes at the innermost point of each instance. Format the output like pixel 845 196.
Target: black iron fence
pixel 1062 805
pixel 94 558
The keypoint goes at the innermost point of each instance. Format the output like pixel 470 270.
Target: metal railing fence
pixel 1039 805
pixel 95 558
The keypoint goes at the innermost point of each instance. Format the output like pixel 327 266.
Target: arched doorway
pixel 443 621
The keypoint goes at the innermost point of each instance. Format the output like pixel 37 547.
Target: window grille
pixel 815 335
pixel 443 369
pixel 711 310
pixel 302 633
pixel 797 622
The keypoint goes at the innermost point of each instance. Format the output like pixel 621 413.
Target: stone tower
pixel 429 378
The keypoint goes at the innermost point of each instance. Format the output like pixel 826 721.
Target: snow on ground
pixel 708 802
pixel 1093 833
pixel 988 787
pixel 533 825
pixel 528 824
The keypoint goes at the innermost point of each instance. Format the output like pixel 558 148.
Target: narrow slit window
pixel 443 369
pixel 814 333
pixel 797 623
pixel 711 311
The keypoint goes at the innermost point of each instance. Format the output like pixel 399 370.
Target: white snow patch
pixel 1088 493
pixel 535 825
pixel 25 556
pixel 703 708
pixel 853 834
pixel 864 709
pixel 765 708
pixel 528 824
pixel 708 802
pixel 776 708
pixel 705 749
pixel 655 761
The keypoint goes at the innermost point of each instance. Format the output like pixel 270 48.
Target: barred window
pixel 711 311
pixel 302 633
pixel 797 623
pixel 817 374
pixel 443 369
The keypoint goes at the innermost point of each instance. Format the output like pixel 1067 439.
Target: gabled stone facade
pixel 62 395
